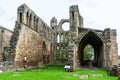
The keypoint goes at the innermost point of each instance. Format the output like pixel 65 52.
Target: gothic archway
pixel 95 41
pixel 62 22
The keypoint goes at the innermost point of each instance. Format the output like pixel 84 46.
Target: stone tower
pixel 76 21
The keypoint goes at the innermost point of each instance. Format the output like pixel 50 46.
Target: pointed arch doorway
pixel 92 39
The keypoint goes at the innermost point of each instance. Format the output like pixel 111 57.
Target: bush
pixel 56 64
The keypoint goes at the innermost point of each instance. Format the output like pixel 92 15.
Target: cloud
pixel 2 12
pixel 91 3
pixel 74 0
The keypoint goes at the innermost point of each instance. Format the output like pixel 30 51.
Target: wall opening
pixel 89 52
pixel 66 26
pixel 58 38
pixel 96 45
pixel 27 18
pixel 34 23
pixel 30 20
pixel 72 18
pixel 44 50
pixel 20 17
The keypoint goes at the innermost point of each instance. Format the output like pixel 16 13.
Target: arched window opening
pixel 27 18
pixel 72 18
pixel 66 38
pixel 62 38
pixel 65 26
pixel 20 17
pixel 51 48
pixel 88 52
pixel 44 48
pixel 44 62
pixel 30 20
pixel 58 38
pixel 37 24
pixel 34 23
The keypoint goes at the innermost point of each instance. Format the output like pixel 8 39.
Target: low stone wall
pixel 119 74
pixel 7 66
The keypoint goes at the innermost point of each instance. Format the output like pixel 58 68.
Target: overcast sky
pixel 98 14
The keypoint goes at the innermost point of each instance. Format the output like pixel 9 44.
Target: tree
pixel 119 57
pixel 88 52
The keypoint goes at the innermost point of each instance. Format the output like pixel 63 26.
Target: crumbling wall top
pixel 1 27
pixel 74 8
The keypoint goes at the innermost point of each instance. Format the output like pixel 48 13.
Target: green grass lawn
pixel 56 73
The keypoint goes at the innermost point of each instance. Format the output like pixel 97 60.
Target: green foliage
pixel 88 52
pixel 56 64
pixel 119 57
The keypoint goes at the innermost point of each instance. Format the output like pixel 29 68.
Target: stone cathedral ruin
pixel 34 43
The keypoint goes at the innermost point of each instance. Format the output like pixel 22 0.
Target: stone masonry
pixel 5 35
pixel 34 43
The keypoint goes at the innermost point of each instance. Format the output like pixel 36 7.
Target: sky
pixel 98 14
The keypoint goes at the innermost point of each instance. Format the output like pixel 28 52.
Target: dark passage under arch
pixel 93 39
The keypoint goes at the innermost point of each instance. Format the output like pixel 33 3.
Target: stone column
pixel 108 58
pixel 104 57
pixel 32 21
pixel 71 55
pixel 75 56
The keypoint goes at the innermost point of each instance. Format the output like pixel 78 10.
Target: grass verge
pixel 56 73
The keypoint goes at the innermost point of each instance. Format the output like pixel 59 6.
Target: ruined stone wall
pixel 33 41
pixel 114 48
pixel 1 40
pixel 76 21
pixel 61 39
pixel 110 47
pixel 5 36
pixel 29 46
